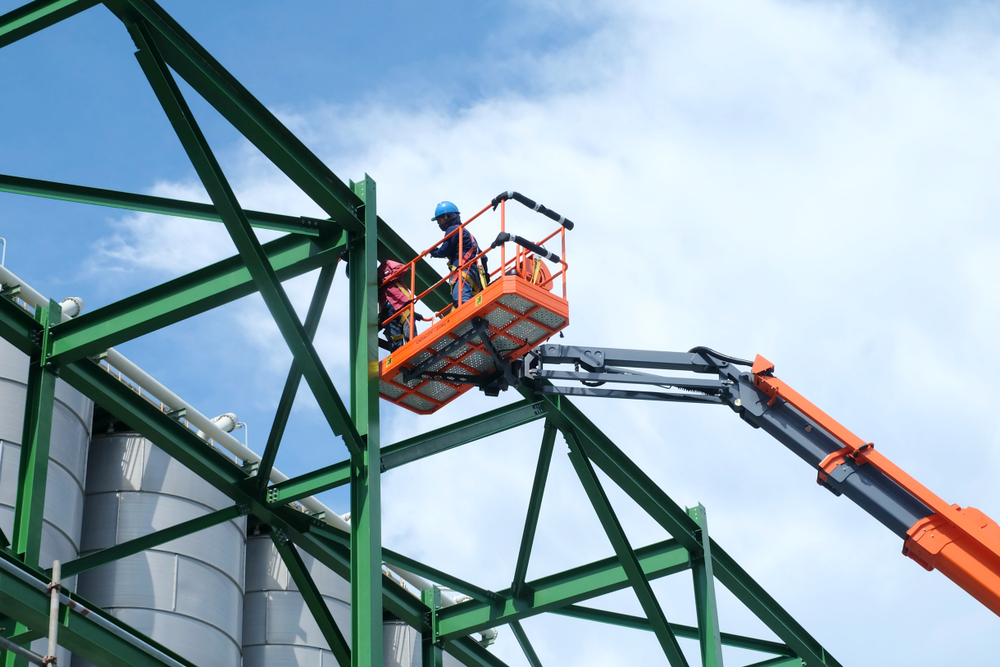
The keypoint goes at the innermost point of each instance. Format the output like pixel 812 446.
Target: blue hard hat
pixel 444 207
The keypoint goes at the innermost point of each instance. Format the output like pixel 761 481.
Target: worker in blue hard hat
pixel 473 276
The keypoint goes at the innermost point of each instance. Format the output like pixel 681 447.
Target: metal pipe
pixel 21 652
pixel 100 621
pixel 54 589
pixel 3 256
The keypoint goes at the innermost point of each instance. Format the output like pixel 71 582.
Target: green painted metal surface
pixel 705 603
pixel 683 631
pixel 556 591
pixel 33 473
pixel 150 204
pixel 36 16
pixel 366 475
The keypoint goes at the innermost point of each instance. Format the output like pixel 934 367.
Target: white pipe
pixel 54 589
pixel 3 257
pixel 211 428
pixel 97 620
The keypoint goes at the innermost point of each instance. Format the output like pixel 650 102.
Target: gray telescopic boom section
pixel 868 487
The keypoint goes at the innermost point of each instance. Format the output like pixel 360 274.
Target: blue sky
pixel 811 181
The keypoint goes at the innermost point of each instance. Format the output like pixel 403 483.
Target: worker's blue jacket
pixel 449 249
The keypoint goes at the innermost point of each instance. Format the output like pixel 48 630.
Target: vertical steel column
pixel 432 655
pixel 366 503
pixel 33 473
pixel 704 594
pixel 626 555
pixel 34 468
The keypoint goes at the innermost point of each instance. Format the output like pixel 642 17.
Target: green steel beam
pixel 565 588
pixel 155 539
pixel 309 484
pixel 320 294
pixel 658 505
pixel 470 653
pixel 525 644
pixel 18 327
pixel 33 473
pixel 149 204
pixel 366 478
pixel 79 633
pixel 534 508
pixel 461 433
pixel 244 112
pixel 409 450
pixel 38 15
pixel 619 541
pixel 685 631
pixel 246 242
pixel 195 293
pixel 779 662
pixel 705 604
pixel 313 598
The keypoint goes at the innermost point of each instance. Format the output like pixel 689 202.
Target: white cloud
pixel 800 179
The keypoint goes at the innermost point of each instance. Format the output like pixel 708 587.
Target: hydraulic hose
pixel 701 349
pixel 504 237
pixel 547 212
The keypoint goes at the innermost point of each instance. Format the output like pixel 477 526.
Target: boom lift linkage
pixel 963 543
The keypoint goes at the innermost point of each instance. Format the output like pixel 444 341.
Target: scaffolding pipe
pixel 100 621
pixel 21 652
pixel 54 589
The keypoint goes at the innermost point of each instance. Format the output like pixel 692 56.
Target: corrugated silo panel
pixel 266 571
pixel 138 514
pixel 64 490
pixel 187 593
pixel 401 645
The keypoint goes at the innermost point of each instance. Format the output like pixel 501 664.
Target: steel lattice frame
pixel 67 349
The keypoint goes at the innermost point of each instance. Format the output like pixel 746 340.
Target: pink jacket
pixel 396 292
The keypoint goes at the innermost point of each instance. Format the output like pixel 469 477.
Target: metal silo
pixel 186 594
pixel 278 629
pixel 64 491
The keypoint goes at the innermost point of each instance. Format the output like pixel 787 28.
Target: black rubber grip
pixel 518 197
pixel 504 237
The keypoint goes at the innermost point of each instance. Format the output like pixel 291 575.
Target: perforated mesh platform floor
pixel 520 316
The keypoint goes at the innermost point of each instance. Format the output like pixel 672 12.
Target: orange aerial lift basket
pixel 476 343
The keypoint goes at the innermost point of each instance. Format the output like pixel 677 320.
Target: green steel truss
pixel 353 229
